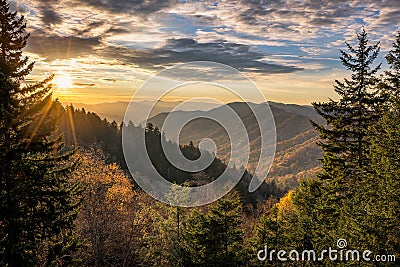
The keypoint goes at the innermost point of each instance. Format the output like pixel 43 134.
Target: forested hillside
pixel 88 130
pixel 296 154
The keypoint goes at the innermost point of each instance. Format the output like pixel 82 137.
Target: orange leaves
pixel 109 210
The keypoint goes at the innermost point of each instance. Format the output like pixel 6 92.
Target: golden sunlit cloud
pixel 63 80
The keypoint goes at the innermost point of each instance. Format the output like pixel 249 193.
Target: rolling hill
pixel 296 155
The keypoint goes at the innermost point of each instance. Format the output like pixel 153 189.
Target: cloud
pixel 90 27
pixel 130 6
pixel 304 18
pixel 117 30
pixel 49 16
pixel 306 21
pixel 19 7
pixel 110 80
pixel 245 34
pixel 205 20
pixel 61 47
pixel 240 56
pixel 84 84
pixel 287 10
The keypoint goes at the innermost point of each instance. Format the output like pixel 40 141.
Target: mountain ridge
pixel 296 155
pixel 296 151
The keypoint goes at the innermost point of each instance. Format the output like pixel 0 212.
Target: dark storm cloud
pixel 58 47
pixel 239 56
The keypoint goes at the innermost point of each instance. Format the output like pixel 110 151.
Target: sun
pixel 63 80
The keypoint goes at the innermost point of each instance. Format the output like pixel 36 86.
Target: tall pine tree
pixel 215 238
pixel 379 193
pixel 38 202
pixel 344 137
pixel 392 83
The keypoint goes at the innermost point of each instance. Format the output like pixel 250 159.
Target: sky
pixel 103 50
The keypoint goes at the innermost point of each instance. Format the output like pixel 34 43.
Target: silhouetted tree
pixel 392 81
pixel 38 201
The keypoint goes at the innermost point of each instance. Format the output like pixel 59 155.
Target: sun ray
pixel 72 124
pixel 39 121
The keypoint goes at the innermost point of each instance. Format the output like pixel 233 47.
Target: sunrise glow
pixel 63 80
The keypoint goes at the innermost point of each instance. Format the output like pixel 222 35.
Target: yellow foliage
pixel 107 219
pixel 286 204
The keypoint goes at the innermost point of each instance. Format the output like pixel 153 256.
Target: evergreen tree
pixel 384 205
pixel 392 81
pixel 195 232
pixel 38 202
pixel 344 138
pixel 375 212
pixel 215 238
pixel 348 118
pixel 225 241
pixel 286 226
pixel 267 232
pixel 377 199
